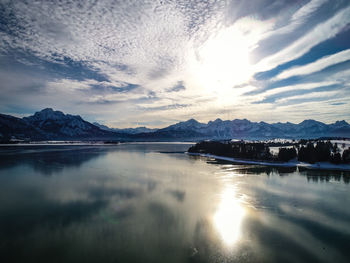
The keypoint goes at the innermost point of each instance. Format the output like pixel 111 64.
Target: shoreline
pixel 86 143
pixel 315 166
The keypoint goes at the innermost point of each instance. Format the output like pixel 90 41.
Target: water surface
pixel 153 203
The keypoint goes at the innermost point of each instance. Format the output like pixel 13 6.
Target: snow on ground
pixel 275 150
pixel 317 166
pixel 342 144
pixel 279 141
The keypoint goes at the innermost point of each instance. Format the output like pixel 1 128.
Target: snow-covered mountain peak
pixel 125 130
pixel 191 121
pixel 51 124
pixel 310 122
pixel 190 124
pixel 50 114
pixel 241 121
pixel 46 114
pixel 341 123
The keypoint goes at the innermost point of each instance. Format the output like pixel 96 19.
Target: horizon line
pixel 179 121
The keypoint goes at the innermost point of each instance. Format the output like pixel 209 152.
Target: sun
pixel 223 61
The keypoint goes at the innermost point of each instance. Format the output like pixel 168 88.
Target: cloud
pixel 165 107
pixel 335 74
pixel 338 103
pixel 131 33
pixel 295 93
pixel 318 65
pixel 314 96
pixel 178 87
pixel 301 16
pixel 321 32
pixel 163 61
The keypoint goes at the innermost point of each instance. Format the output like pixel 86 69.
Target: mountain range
pixel 126 130
pixel 49 124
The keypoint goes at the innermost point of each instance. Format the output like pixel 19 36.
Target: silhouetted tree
pixel 237 150
pixel 303 142
pixel 346 156
pixel 287 154
pixel 323 151
pixel 307 154
pixel 335 158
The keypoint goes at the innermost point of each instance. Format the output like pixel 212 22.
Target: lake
pixel 153 203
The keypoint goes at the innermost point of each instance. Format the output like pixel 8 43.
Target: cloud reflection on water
pixel 130 203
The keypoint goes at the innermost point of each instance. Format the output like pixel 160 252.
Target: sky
pixel 153 63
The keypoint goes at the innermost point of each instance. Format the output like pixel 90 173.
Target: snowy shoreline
pixel 315 166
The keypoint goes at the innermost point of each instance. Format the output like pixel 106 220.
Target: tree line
pixel 304 151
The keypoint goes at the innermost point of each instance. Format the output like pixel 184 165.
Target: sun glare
pixel 224 61
pixel 228 217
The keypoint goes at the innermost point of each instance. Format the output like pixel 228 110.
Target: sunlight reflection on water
pixel 148 203
pixel 229 216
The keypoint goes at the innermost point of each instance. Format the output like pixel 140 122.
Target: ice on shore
pixel 318 166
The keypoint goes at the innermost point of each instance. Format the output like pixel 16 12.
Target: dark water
pixel 152 203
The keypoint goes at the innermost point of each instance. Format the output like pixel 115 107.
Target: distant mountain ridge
pixel 245 129
pixel 49 124
pixel 125 130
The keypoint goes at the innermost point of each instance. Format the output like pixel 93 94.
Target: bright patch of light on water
pixel 228 217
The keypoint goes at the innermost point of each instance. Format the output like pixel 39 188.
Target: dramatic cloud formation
pixel 130 63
